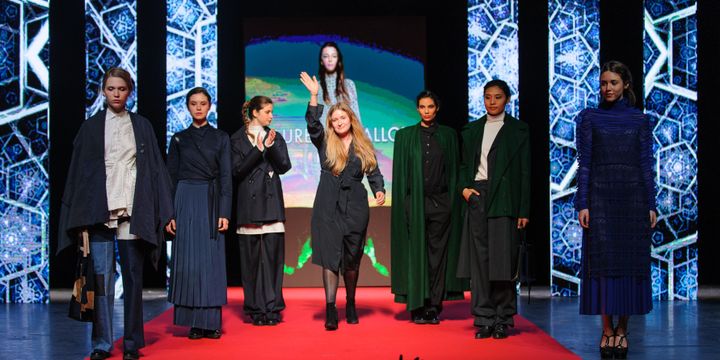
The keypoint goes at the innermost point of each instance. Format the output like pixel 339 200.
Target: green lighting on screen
pixel 306 253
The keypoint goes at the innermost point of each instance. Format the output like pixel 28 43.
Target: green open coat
pixel 409 251
pixel 508 191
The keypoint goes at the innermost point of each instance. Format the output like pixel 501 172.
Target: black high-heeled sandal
pixel 621 352
pixel 607 351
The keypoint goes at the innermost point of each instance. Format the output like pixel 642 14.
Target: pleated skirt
pixel 614 295
pixel 197 266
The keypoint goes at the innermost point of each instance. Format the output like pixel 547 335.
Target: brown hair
pixel 118 73
pixel 256 103
pixel 336 156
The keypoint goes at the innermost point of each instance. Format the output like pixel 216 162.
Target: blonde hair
pixel 256 103
pixel 337 157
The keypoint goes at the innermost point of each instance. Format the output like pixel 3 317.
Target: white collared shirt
pixel 120 167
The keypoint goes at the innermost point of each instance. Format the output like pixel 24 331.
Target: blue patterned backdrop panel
pixel 574 46
pixel 24 143
pixel 191 58
pixel 110 40
pixel 670 56
pixel 492 51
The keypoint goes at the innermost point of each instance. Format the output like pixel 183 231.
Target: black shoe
pixel 500 331
pixel 620 351
pixel 131 355
pixel 271 322
pixel 484 332
pixel 212 334
pixel 195 333
pixel 417 316
pixel 606 351
pixel 331 317
pixel 431 317
pixel 259 320
pixel 99 355
pixel 351 316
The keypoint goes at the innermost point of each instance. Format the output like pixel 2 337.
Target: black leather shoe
pixel 271 322
pixel 331 317
pixel 351 316
pixel 431 317
pixel 484 332
pixel 500 331
pixel 195 333
pixel 131 355
pixel 212 334
pixel 259 320
pixel 418 316
pixel 99 355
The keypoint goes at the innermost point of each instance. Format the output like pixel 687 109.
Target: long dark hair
pixel 340 91
pixel 256 103
pixel 626 76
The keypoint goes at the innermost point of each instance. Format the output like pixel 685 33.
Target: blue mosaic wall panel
pixel 24 143
pixel 670 55
pixel 110 40
pixel 574 45
pixel 492 51
pixel 191 58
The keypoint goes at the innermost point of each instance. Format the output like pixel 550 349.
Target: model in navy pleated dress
pixel 200 168
pixel 616 203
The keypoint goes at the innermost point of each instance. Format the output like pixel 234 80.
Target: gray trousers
pixel 493 302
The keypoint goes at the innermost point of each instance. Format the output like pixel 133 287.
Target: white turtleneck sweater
pixel 492 128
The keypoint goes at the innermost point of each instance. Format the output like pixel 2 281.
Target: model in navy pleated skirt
pixel 616 203
pixel 200 168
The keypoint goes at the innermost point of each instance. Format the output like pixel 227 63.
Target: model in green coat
pixel 495 184
pixel 426 223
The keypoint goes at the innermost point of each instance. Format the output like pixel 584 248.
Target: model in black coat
pixel 260 156
pixel 340 211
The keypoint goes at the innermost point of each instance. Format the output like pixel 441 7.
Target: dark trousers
pixel 132 258
pixel 262 260
pixel 493 302
pixel 437 232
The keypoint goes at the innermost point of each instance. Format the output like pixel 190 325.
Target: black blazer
pixel 259 196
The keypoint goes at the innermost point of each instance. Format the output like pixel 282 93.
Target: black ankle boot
pixel 331 316
pixel 351 315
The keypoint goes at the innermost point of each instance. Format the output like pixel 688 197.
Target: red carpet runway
pixel 384 332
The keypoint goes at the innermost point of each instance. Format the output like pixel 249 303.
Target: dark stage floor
pixel 673 330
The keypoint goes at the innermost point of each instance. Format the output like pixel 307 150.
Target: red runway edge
pixel 384 332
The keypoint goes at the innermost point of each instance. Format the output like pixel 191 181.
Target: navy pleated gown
pixel 616 184
pixel 200 168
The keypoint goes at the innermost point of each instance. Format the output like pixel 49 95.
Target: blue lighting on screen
pixel 670 55
pixel 574 46
pixel 24 143
pixel 492 51
pixel 110 40
pixel 191 58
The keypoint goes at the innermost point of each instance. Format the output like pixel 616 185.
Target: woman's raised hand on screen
pixel 311 84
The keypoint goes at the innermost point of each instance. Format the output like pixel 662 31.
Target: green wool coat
pixel 509 188
pixel 409 276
